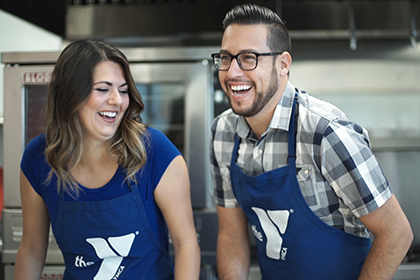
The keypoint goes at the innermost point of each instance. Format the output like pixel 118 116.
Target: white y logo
pixel 111 260
pixel 268 222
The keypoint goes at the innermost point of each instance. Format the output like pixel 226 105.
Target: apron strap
pixel 134 187
pixel 293 129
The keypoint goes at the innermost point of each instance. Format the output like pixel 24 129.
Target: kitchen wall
pixel 376 85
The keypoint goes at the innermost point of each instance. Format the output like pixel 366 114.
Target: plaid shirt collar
pixel 281 117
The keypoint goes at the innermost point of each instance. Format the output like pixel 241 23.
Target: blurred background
pixel 362 56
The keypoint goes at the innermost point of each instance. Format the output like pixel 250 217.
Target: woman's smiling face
pixel 102 113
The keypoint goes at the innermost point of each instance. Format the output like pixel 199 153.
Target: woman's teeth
pixel 108 114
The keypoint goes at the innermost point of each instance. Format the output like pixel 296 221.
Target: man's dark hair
pixel 278 39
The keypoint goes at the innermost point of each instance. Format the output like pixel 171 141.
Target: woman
pixel 110 186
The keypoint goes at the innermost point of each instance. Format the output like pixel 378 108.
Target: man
pixel 296 168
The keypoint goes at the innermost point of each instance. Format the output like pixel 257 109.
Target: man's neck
pixel 261 121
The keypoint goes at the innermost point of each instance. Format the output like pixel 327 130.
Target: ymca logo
pixel 112 251
pixel 273 223
pixel 79 262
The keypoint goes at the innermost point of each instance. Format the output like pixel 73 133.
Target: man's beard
pixel 261 99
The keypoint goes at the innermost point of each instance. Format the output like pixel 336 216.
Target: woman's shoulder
pixel 159 146
pixel 36 146
pixel 33 158
pixel 157 139
pixel 154 133
pixel 33 163
pixel 160 153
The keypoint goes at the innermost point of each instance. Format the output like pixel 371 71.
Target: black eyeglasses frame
pixel 238 61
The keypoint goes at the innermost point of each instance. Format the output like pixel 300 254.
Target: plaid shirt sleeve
pixel 221 146
pixel 351 169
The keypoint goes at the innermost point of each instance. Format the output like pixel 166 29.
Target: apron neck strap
pixel 293 128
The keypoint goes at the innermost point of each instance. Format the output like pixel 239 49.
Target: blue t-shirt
pixel 160 153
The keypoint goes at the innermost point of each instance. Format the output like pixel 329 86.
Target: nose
pixel 115 98
pixel 235 69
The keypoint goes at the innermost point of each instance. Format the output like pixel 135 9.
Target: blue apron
pixel 110 239
pixel 292 242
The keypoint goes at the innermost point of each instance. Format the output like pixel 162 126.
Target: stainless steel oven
pixel 177 85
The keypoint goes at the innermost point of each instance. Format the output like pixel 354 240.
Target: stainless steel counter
pixel 409 271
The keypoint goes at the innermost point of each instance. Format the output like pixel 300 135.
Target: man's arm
pixel 233 248
pixel 393 237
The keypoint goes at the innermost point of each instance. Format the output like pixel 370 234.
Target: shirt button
pixel 306 172
pixel 257 152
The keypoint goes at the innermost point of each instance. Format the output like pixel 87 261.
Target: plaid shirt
pixel 338 174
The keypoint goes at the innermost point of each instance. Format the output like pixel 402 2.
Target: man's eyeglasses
pixel 246 60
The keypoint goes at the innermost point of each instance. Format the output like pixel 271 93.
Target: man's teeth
pixel 108 114
pixel 240 88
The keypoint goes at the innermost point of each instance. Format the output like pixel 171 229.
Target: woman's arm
pixel 172 195
pixel 36 224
